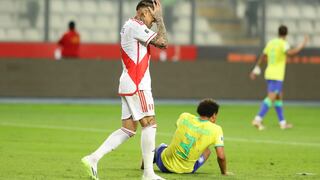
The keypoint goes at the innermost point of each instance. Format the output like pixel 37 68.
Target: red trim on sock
pixel 128 132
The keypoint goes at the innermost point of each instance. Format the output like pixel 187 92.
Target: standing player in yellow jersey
pixel 275 53
pixel 189 148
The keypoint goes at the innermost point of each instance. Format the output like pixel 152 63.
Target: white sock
pixel 283 122
pixel 148 135
pixel 112 142
pixel 258 119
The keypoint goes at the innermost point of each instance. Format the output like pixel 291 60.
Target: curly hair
pixel 207 108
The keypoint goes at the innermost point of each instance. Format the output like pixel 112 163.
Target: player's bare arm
pixel 161 40
pixel 262 58
pixel 296 50
pixel 221 158
pixel 206 154
pixel 257 70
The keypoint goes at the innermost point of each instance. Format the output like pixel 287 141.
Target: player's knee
pixel 130 125
pixel 272 96
pixel 148 121
pixel 278 103
pixel 129 132
pixel 268 101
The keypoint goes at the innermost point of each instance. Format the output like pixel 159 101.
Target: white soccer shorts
pixel 138 105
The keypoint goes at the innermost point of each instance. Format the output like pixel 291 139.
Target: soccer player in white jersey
pixel 135 87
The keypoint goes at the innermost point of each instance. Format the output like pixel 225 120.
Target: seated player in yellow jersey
pixel 189 147
pixel 275 53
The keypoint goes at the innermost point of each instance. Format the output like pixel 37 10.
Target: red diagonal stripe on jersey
pixel 135 71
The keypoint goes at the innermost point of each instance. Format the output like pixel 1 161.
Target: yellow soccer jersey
pixel 276 51
pixel 191 138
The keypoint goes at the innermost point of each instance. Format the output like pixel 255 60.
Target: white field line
pixel 232 139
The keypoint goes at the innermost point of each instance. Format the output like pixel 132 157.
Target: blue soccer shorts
pixel 274 86
pixel 161 166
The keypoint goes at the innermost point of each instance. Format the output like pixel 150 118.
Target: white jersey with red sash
pixel 135 54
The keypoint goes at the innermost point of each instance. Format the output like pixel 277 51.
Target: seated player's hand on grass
pixel 228 174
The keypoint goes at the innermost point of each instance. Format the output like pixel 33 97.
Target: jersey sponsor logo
pixel 146 30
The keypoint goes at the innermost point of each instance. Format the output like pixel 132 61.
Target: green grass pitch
pixel 47 141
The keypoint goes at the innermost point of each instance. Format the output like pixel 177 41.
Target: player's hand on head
pixel 156 12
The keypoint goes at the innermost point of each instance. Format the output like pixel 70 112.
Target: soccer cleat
pixel 91 170
pixel 258 125
pixel 152 177
pixel 286 126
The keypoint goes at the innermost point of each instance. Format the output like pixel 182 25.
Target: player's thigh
pixel 279 96
pixel 274 89
pixel 139 106
pixel 146 102
pixel 130 124
pixel 158 159
pixel 125 109
pixel 272 96
pixel 126 116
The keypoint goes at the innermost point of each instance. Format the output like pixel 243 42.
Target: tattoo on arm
pixel 161 40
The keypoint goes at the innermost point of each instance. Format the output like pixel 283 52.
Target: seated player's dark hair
pixel 207 107
pixel 72 25
pixel 145 3
pixel 283 30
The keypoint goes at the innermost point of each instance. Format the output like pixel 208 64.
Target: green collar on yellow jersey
pixel 202 120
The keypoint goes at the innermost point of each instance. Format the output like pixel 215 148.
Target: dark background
pixel 176 80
